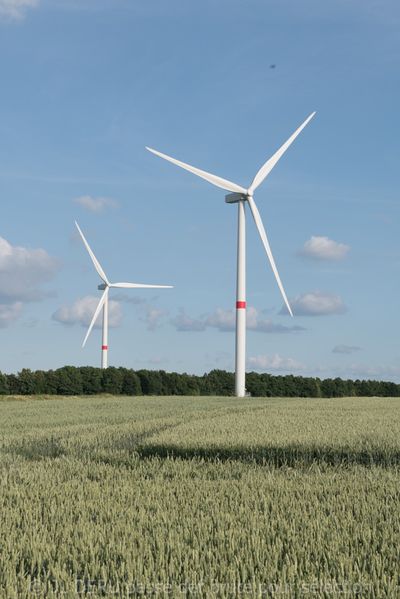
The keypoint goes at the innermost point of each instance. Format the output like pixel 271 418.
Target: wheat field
pixel 199 497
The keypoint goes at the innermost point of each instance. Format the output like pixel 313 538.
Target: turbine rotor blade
pixel 264 239
pixel 139 286
pixel 213 179
pixel 271 162
pixel 95 315
pixel 96 263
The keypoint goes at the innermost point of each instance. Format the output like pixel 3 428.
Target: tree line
pixel 87 380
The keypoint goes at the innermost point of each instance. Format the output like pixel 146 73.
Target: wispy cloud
pixel 373 372
pixel 150 314
pixel 82 310
pixel 153 317
pixel 224 320
pixel 129 299
pixel 357 370
pixel 345 349
pixel 15 9
pixel 9 313
pixel 274 363
pixel 95 205
pixel 23 271
pixel 323 248
pixel 221 319
pixel 184 322
pixel 316 303
pixel 158 362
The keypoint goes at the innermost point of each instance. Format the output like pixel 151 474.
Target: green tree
pixel 130 382
pixel 26 382
pixel 51 384
pixel 13 384
pixel 188 384
pixel 150 382
pixel 220 382
pixel 39 382
pixel 309 387
pixel 92 381
pixel 112 380
pixel 4 388
pixel 256 385
pixel 69 381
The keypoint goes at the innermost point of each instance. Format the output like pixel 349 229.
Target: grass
pixel 199 497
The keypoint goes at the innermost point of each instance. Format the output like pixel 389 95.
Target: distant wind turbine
pixel 103 303
pixel 241 195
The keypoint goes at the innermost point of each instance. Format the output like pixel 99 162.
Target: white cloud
pixel 316 303
pixel 129 299
pixel 225 321
pixel 153 317
pixel 274 362
pixel 323 248
pixel 157 361
pixel 183 322
pixel 22 271
pixel 222 359
pixel 9 313
pixel 15 9
pixel 378 372
pixel 345 349
pixel 82 310
pixel 262 325
pixel 95 205
pixel 364 371
pixel 150 314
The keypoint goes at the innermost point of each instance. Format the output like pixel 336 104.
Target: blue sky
pixel 87 84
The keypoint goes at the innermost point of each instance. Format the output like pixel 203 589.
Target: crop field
pixel 199 497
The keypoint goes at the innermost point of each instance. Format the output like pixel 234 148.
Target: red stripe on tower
pixel 240 305
pixel 104 347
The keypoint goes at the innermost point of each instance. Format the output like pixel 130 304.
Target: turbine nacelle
pixel 234 198
pixel 102 287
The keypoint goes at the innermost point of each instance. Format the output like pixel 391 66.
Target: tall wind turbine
pixel 241 195
pixel 103 303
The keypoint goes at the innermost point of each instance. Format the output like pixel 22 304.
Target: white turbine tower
pixel 241 195
pixel 103 303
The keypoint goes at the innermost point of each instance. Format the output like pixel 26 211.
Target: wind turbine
pixel 103 303
pixel 241 195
